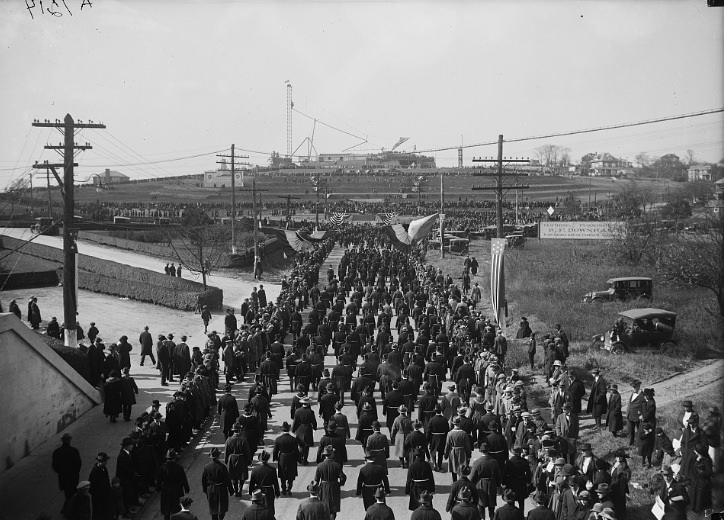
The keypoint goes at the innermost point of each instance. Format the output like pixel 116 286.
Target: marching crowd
pixel 425 375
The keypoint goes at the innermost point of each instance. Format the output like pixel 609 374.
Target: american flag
pixel 387 218
pixel 339 218
pixel 497 278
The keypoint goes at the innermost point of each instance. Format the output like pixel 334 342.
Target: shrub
pixel 75 357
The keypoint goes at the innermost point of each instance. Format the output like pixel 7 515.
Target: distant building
pixel 221 178
pixel 378 160
pixel 670 160
pixel 109 177
pixel 719 197
pixel 609 166
pixel 699 172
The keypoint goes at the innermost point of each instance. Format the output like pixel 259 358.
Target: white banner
pixel 581 230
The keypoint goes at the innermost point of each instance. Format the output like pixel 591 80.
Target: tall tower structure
pixel 460 157
pixel 290 106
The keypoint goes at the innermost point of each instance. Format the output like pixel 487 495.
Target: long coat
pixel 101 492
pixel 486 476
pixel 419 478
pixel 597 403
pixel 465 511
pixel 237 456
pixel 331 478
pixel 286 451
pixel 216 484
pixel 700 488
pixel 371 476
pixel 228 411
pixel 264 477
pixel 114 397
pixel 181 359
pixel 67 463
pixel 401 428
pixel 517 476
pixel 313 509
pixel 614 417
pixel 458 450
pixel 173 484
pixel 304 425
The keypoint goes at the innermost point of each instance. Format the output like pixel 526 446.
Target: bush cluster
pixel 75 357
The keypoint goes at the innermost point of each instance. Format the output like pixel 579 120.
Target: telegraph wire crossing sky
pixel 177 84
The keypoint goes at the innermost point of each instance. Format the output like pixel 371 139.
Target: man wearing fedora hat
pixel 258 510
pixel 584 505
pixel 371 476
pixel 66 463
pixel 100 488
pixel 419 478
pixel 330 477
pixel 378 445
pixel 425 511
pixel 620 477
pixel 567 429
pixel 364 424
pixel 379 510
pixel 674 496
pixel 635 403
pixel 228 410
pixel 603 490
pixel 238 458
pixel 466 507
pixel 508 511
pixel 437 431
pixel 541 511
pixel 597 402
pixel 216 485
pixel 458 448
pixel 517 476
pixel 286 452
pixel 313 508
pixel 264 477
pixel 304 426
pixel 172 484
pixel 487 477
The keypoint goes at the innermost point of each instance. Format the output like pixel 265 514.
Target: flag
pixel 497 278
pixel 399 142
pixel 387 218
pixel 398 236
pixel 339 218
pixel 421 227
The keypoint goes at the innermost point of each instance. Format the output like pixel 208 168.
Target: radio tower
pixel 290 106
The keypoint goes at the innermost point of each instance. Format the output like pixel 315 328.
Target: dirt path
pixel 700 379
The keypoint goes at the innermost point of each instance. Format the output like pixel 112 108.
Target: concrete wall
pixel 41 393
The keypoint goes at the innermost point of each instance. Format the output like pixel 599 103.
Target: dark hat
pixel 426 497
pixel 596 371
pixel 329 450
pixel 659 430
pixel 636 383
pixel 465 494
pixel 602 488
pixel 102 457
pixel 509 495
pixel 228 387
pixel 540 497
pixel 567 406
pixel 585 495
pixel 380 493
pixel 585 447
pixel 170 336
pixel 484 447
pixel 687 403
pixel 127 441
pixel 264 455
pixel 214 453
pixel 367 406
pixel 567 470
pixel 186 501
pixel 621 453
pixel 313 488
pixel 560 461
pixel 613 387
pixel 666 470
pixel 285 426
pixel 155 402
pixel 257 496
pixel 66 436
pixel 171 454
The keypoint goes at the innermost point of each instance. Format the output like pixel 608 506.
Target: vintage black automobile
pixel 626 288
pixel 640 329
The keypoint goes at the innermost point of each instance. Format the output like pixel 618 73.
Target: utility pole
pixel 233 192
pixel 50 199
pixel 499 183
pixel 289 213
pixel 31 194
pixel 317 183
pixel 253 191
pixel 67 127
pixel 442 214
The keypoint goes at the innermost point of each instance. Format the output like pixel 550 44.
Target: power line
pixel 585 131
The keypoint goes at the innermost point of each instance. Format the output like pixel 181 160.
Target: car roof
pixel 637 314
pixel 628 279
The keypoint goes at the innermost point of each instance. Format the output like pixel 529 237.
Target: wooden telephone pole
pixel 253 191
pixel 67 127
pixel 499 187
pixel 233 191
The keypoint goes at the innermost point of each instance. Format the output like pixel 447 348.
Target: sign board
pixel 581 230
pixel 550 210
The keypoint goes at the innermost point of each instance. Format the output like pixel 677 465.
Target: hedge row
pixel 154 249
pixel 75 357
pixel 103 276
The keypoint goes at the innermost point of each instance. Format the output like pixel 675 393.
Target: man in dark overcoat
pixel 313 508
pixel 635 405
pixel 371 476
pixel 597 402
pixel 420 478
pixel 146 341
pixel 228 411
pixel 126 472
pixel 517 476
pixel 466 508
pixel 100 489
pixel 286 452
pixel 172 483
pixel 486 476
pixel 330 477
pixel 304 426
pixel 238 458
pixel 216 485
pixel 264 477
pixel 66 463
pixel 541 511
pixel 257 510
pixel 337 439
pixel 379 510
pixel 425 511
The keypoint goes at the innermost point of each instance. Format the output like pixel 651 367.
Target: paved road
pixel 235 290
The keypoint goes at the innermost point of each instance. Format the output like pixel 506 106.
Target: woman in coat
pixel 614 417
pixel 113 390
pixel 700 488
pixel 620 476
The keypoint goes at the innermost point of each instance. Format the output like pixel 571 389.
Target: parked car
pixel 636 329
pixel 515 239
pixel 626 288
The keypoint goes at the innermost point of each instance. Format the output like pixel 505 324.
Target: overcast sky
pixel 173 79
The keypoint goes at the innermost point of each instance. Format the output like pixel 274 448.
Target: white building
pixel 699 172
pixel 221 178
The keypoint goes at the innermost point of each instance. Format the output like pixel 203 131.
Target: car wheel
pixel 618 348
pixel 668 348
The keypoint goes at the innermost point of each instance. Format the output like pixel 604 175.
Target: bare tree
pixel 643 160
pixel 689 157
pixel 698 260
pixel 200 245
